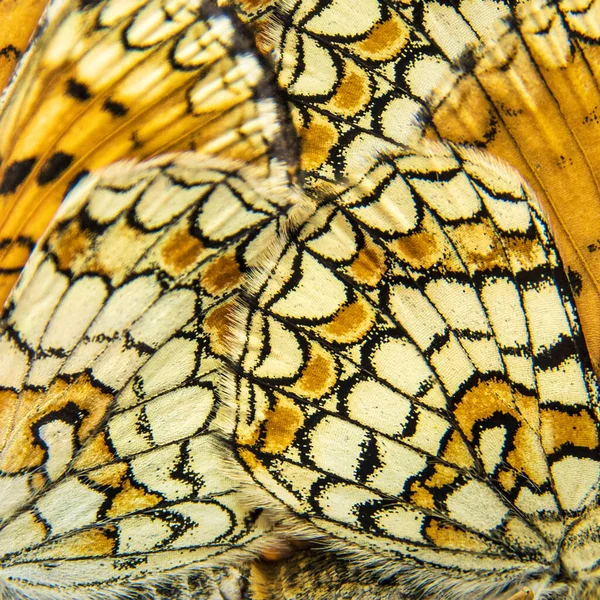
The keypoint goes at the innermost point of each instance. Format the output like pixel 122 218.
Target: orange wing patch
pixel 19 20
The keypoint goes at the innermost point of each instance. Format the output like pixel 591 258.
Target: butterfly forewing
pixel 517 79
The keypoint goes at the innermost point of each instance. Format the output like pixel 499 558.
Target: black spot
pixel 85 4
pixel 575 281
pixel 10 52
pixel 115 108
pixel 143 428
pixel 369 460
pixel 53 167
pixel 552 356
pixel 23 241
pixel 466 61
pixel 135 141
pixel 138 387
pixel 78 90
pixel 15 174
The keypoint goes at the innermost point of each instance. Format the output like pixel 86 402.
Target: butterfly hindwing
pixel 406 376
pixel 523 84
pixel 110 366
pixel 516 79
pixel 413 378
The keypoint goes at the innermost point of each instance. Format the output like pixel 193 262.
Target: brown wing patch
pixel 111 378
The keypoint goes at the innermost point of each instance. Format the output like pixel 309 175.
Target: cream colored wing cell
pixel 414 382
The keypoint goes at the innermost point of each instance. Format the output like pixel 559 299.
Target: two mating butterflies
pixel 238 367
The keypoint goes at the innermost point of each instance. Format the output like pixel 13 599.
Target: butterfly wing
pixel 515 79
pixel 110 344
pixel 525 87
pixel 413 379
pixel 19 22
pixel 111 341
pixel 108 80
pixel 338 68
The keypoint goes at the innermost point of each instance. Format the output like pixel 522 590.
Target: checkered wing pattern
pixel 109 355
pixel 389 362
pixel 524 85
pixel 110 359
pixel 413 380
pixel 111 470
pixel 519 79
